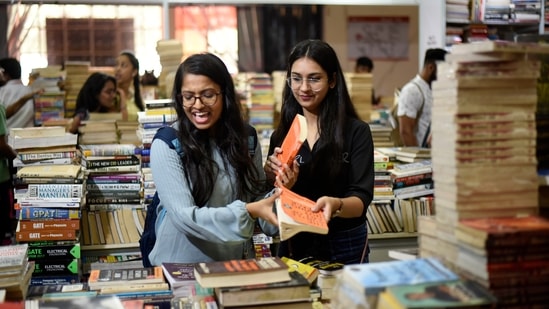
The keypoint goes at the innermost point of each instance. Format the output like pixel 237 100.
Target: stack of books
pixel 132 283
pixel 49 105
pixel 507 255
pixel 254 283
pixel 76 73
pixel 483 126
pixel 360 88
pixel 102 131
pixel 262 101
pixel 170 54
pixel 412 180
pixel 15 271
pixel 49 195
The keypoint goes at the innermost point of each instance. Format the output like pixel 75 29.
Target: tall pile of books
pixel 170 53
pixel 114 211
pixel 360 88
pixel 157 114
pixel 15 271
pixel 262 101
pixel 76 73
pixel 484 136
pixel 49 195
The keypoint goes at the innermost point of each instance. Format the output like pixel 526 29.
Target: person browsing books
pixel 128 84
pixel 334 167
pixel 12 91
pixel 208 196
pixel 97 95
pixel 416 100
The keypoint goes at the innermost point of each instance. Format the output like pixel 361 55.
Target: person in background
pixel 334 166
pixel 12 91
pixel 416 101
pixel 7 154
pixel 128 84
pixel 206 210
pixel 366 65
pixel 97 95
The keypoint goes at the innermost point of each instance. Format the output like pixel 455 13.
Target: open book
pixel 295 215
pixel 296 136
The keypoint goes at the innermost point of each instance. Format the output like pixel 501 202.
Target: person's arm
pixel 16 106
pixel 5 149
pixel 406 130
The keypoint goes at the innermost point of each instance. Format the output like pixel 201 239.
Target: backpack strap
pixel 252 140
pixel 169 136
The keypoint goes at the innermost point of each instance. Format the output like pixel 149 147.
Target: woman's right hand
pixel 264 208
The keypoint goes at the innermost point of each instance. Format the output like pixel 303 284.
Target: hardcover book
pixel 13 256
pixel 295 215
pixel 296 289
pixel 30 213
pixel 241 272
pixel 296 136
pixel 38 225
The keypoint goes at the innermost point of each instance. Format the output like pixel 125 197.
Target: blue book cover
pixel 374 277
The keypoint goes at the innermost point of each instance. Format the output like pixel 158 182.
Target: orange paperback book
pixel 295 215
pixel 296 136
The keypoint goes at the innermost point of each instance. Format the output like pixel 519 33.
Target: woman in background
pixel 127 78
pixel 334 166
pixel 97 95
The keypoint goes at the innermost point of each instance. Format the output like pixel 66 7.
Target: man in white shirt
pixel 12 91
pixel 416 101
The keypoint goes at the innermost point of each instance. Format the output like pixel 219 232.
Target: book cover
pixel 179 274
pixel 54 251
pixel 46 235
pixel 453 294
pixel 241 272
pixel 371 279
pixel 106 161
pixel 296 136
pixel 30 213
pixel 295 215
pixel 296 289
pixel 100 278
pixel 309 272
pixel 38 132
pixel 54 267
pixel 38 225
pixel 13 256
pixel 107 149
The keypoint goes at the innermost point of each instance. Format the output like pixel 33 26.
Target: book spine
pixel 18 163
pixel 412 189
pixel 110 150
pixel 112 200
pixel 52 280
pixel 155 125
pixel 112 181
pixel 38 225
pixel 55 190
pixel 46 156
pixel 44 180
pixel 102 207
pixel 117 177
pixel 54 267
pixel 112 186
pixel 46 235
pixel 29 213
pixel 57 251
pixel 48 204
pixel 399 182
pixel 90 164
pixel 36 200
pixel 114 194
pixel 111 169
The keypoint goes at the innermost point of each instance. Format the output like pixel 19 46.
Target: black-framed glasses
pixel 315 83
pixel 208 98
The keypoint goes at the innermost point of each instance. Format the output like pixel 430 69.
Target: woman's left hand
pixel 287 176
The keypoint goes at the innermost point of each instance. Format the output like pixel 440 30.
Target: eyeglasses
pixel 315 83
pixel 208 98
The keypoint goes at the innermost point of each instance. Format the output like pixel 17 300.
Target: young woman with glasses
pixel 334 167
pixel 210 194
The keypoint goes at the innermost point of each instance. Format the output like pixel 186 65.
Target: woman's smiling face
pixel 201 115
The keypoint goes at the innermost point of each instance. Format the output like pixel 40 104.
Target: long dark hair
pixel 335 110
pixel 88 95
pixel 136 82
pixel 230 134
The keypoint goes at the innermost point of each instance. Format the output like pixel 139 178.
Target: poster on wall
pixel 380 38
